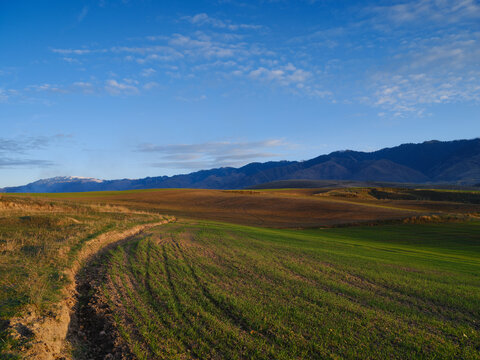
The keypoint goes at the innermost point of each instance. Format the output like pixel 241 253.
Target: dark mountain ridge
pixel 450 162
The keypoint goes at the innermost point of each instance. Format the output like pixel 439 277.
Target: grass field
pixel 217 291
pixel 256 274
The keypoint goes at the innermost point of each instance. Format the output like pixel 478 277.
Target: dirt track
pixel 50 332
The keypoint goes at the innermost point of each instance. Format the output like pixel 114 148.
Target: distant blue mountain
pixel 454 162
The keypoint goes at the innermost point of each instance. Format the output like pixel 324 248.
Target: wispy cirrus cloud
pixel 426 54
pixel 84 86
pixel 204 19
pixel 299 81
pixel 410 71
pixel 151 85
pixel 22 145
pixel 48 87
pixel 15 152
pixel 192 54
pixel 174 48
pixel 113 87
pixel 456 51
pixel 76 51
pixel 212 154
pixel 436 70
pixel 191 98
pixel 284 75
pixel 8 163
pixel 443 12
pixel 403 95
pixel 8 94
pixel 82 14
pixel 148 72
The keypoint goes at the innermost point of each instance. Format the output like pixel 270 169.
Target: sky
pixel 127 89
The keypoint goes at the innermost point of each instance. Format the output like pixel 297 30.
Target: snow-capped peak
pixel 66 179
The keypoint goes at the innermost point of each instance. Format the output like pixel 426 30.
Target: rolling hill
pixel 448 162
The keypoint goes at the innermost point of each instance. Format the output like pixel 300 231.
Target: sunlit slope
pixel 292 208
pixel 289 208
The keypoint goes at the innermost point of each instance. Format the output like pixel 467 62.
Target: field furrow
pixel 206 290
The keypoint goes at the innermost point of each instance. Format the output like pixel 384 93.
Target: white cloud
pixel 204 46
pixel 204 19
pixel 8 94
pixel 407 94
pixel 150 85
pixel 438 11
pixel 191 99
pixel 212 154
pixel 113 87
pixel 82 14
pixel 142 50
pixel 411 53
pixel 329 38
pixel 71 60
pixel 14 152
pixel 72 51
pixel 49 88
pixel 434 70
pixel 284 75
pixel 148 72
pixel 8 163
pixel 221 54
pixel 455 51
pixel 85 87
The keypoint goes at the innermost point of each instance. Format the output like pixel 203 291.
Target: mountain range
pixel 431 162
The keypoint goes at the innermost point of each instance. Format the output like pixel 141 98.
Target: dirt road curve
pixel 50 332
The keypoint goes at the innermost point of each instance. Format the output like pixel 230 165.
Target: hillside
pixel 450 162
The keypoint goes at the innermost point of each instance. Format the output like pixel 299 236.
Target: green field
pixel 217 291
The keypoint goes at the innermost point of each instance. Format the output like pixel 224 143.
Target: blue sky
pixel 114 89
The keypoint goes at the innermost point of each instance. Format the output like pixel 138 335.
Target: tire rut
pixel 54 336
